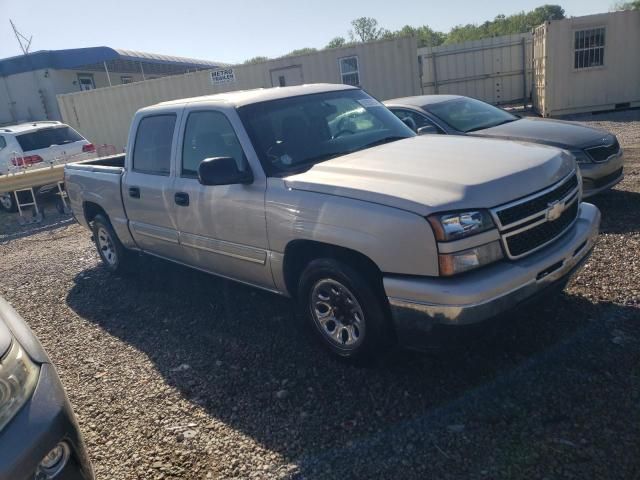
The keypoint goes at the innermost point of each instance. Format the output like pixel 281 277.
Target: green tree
pixel 633 5
pixel 426 36
pixel 301 51
pixel 257 59
pixel 336 42
pixel 365 29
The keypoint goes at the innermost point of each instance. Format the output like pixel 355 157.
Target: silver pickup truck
pixel 320 193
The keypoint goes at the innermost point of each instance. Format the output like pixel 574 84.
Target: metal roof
pixel 93 58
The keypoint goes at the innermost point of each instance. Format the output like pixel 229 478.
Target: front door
pixel 285 77
pixel 222 227
pixel 148 186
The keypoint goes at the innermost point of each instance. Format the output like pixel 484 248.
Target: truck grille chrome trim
pixel 531 223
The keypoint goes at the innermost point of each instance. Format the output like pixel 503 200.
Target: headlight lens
pixel 581 156
pixel 458 262
pixel 456 225
pixel 18 378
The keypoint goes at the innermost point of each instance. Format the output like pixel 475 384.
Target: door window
pixel 209 134
pixel 418 119
pixel 3 143
pixel 152 149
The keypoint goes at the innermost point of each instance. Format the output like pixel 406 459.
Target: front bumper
pixel 597 177
pixel 44 421
pixel 419 304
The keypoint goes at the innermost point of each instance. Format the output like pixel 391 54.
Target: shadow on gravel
pixel 620 211
pixel 10 228
pixel 252 367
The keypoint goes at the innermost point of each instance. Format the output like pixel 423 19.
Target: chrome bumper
pixel 418 304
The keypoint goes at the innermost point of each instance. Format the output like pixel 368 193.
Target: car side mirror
pixel 427 129
pixel 222 171
pixel 409 122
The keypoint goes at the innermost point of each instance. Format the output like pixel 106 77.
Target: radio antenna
pixel 24 42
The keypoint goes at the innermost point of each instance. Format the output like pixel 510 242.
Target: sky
pixel 234 30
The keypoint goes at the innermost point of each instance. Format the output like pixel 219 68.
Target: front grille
pixel 600 153
pixel 537 236
pixel 538 204
pixel 607 179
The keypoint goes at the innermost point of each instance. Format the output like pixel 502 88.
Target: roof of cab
pixel 241 98
pixel 421 100
pixel 29 126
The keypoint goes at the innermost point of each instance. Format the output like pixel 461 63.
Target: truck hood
pixel 431 173
pixel 548 132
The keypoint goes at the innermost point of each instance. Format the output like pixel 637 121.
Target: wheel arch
pixel 298 254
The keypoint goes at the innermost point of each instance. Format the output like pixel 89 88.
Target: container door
pixel 285 77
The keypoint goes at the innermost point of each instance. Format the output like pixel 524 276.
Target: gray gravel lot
pixel 176 374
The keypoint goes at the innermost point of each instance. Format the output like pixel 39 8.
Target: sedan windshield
pixel 468 114
pixel 292 134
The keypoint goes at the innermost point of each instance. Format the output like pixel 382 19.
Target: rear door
pixel 222 227
pixel 147 188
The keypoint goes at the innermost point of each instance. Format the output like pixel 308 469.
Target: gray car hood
pixel 432 173
pixel 549 132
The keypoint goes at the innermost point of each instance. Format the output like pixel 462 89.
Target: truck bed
pixel 36 177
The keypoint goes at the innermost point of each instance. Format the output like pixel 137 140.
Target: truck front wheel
pixel 344 310
pixel 112 253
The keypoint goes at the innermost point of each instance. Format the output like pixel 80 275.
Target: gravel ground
pixel 176 374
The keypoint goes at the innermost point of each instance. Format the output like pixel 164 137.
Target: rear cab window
pixel 47 137
pixel 152 147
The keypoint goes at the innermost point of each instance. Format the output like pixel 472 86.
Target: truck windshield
pixel 293 134
pixel 46 137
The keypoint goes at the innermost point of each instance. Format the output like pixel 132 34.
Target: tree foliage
pixel 301 51
pixel 365 29
pixel 257 59
pixel 336 42
pixel 632 5
pixel 505 25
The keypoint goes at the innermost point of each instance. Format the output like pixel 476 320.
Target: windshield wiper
pixel 482 127
pixel 389 139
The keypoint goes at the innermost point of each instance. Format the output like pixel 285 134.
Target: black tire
pixel 111 251
pixel 8 203
pixel 375 335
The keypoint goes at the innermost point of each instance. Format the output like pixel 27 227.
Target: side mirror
pixel 427 129
pixel 409 122
pixel 222 171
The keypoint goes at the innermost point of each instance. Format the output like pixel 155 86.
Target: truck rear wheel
pixel 344 311
pixel 8 202
pixel 112 253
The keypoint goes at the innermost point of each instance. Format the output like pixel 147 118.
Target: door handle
pixel 182 199
pixel 134 192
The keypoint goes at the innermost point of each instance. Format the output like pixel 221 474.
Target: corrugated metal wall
pixel 497 70
pixel 387 69
pixel 614 84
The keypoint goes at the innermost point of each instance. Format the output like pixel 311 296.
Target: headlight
pixel 456 225
pixel 458 262
pixel 581 156
pixel 18 378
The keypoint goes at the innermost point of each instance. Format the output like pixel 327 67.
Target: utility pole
pixel 24 42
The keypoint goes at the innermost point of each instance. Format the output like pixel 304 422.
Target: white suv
pixel 37 145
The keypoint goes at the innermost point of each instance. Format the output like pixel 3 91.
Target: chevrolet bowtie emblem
pixel 554 210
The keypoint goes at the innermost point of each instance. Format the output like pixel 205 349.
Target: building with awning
pixel 29 83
